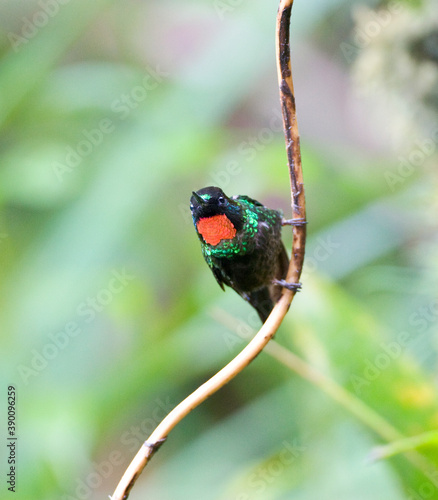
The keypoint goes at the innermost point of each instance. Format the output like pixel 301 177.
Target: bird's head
pixel 215 216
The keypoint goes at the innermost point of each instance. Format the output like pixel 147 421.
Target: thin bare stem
pixel 404 445
pixel 275 319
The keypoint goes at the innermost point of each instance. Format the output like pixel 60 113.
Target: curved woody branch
pixel 269 328
pixel 292 136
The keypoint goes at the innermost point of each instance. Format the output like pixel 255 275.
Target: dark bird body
pixel 241 243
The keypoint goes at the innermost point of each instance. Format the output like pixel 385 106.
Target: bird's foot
pixel 293 287
pixel 293 222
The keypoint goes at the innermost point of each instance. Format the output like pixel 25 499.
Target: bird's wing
pixel 221 278
pixel 248 199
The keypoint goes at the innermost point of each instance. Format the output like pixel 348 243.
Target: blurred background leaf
pixel 111 113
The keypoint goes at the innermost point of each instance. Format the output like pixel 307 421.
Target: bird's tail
pixel 262 302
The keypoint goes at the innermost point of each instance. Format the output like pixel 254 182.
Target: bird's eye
pixel 191 206
pixel 221 200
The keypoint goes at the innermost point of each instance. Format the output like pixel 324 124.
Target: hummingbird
pixel 241 243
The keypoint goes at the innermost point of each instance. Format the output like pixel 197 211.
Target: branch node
pixel 155 445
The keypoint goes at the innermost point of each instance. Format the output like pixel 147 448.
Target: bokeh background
pixel 111 113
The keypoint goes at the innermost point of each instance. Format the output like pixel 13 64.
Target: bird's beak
pixel 200 200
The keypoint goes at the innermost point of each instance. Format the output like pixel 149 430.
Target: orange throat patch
pixel 215 229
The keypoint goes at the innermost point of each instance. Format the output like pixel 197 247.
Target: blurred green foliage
pixel 111 113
